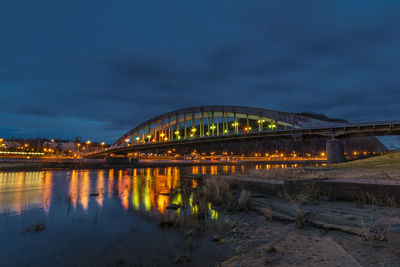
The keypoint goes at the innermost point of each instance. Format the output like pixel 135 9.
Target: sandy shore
pixel 269 235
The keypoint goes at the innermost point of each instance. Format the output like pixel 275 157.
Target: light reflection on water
pixel 88 211
pixel 149 189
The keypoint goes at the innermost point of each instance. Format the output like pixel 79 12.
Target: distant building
pixel 51 144
pixel 9 144
pixel 70 146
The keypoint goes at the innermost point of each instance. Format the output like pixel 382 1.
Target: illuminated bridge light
pixel 207 120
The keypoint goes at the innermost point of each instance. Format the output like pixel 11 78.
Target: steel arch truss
pixel 207 121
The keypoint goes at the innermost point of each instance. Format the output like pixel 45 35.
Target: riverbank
pixel 375 179
pixel 296 229
pixel 177 218
pixel 319 233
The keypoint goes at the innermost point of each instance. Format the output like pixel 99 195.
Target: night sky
pixel 97 68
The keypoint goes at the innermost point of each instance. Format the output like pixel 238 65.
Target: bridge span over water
pixel 215 124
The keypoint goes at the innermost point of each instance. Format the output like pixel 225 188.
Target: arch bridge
pixel 208 121
pixel 210 124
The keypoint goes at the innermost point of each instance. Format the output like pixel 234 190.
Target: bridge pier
pixel 334 151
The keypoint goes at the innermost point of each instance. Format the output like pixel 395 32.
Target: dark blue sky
pixel 97 68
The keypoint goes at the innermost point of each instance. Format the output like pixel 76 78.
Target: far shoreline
pixel 71 164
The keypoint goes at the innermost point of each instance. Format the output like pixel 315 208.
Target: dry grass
pixel 377 227
pixel 271 248
pixel 276 173
pixel 308 192
pixel 353 172
pixel 267 213
pixel 299 219
pixel 385 166
pixel 244 201
pixel 305 192
pixel 217 190
pixel 379 199
pixel 330 171
pixel 387 161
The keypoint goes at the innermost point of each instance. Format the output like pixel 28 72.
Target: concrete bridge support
pixel 334 151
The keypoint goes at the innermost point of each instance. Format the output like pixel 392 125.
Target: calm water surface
pixel 98 217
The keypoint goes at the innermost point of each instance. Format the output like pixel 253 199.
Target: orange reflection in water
pixel 162 186
pixel 46 190
pixel 84 190
pixel 19 194
pixel 195 169
pixel 214 170
pixel 73 188
pixel 24 190
pixel 144 189
pixel 79 188
pixel 124 183
pixel 203 170
pixel 162 202
pixel 225 169
pixel 100 187
pixel 110 182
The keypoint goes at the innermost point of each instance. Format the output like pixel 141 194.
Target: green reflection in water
pixel 150 189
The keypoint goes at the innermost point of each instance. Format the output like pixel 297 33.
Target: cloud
pixel 100 69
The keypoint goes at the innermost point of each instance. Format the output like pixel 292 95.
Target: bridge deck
pixel 334 131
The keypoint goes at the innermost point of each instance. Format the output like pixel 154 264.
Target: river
pixel 102 217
